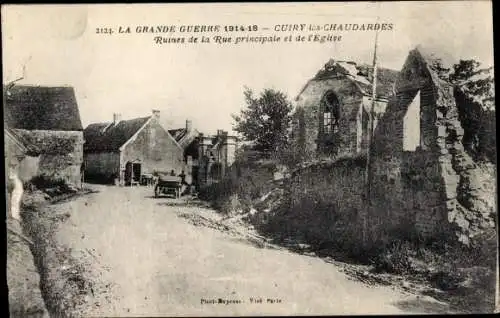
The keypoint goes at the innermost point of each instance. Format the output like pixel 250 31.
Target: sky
pixel 131 75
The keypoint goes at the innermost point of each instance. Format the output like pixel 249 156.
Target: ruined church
pixel 422 178
pixel 332 108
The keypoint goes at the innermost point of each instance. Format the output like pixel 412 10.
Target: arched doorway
pixel 329 117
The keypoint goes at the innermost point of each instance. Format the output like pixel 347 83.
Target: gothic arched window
pixel 330 113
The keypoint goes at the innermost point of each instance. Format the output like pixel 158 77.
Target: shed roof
pixel 184 137
pixel 110 137
pixel 178 134
pixel 41 108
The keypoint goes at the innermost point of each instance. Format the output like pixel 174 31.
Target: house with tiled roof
pixel 207 157
pixel 123 151
pixel 45 121
pixel 331 110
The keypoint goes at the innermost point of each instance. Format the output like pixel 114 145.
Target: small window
pixel 327 122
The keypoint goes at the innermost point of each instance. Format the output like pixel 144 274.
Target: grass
pixel 64 283
pixel 25 299
pixel 241 186
pixel 464 277
pixel 466 274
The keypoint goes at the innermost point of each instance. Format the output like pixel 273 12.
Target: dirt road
pixel 160 264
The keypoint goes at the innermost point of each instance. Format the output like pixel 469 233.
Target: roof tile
pixel 41 108
pixel 97 139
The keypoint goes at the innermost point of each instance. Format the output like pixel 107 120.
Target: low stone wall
pixel 438 188
pixel 243 183
pixel 325 197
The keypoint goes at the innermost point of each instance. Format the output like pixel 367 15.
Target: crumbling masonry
pixel 422 178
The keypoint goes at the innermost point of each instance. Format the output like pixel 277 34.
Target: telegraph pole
pixel 369 135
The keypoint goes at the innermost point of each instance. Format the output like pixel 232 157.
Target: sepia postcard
pixel 236 159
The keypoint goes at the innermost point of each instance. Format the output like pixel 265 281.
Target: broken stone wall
pixel 61 153
pixel 386 191
pixel 470 200
pixel 325 196
pixel 437 188
pixel 408 190
pixel 309 116
pixel 423 192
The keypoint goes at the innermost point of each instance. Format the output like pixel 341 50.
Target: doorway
pixel 194 176
pixel 132 172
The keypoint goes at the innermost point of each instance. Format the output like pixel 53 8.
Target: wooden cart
pixel 168 185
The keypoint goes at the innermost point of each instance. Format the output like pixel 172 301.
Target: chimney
pixel 189 125
pixel 117 118
pixel 156 113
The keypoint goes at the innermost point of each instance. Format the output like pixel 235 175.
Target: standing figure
pixel 82 174
pixel 182 175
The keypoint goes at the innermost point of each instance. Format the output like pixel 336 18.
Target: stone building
pixel 421 174
pixel 206 157
pixel 47 118
pixel 122 151
pixel 215 155
pixel 187 138
pixel 331 110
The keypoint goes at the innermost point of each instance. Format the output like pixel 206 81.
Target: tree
pixel 475 96
pixel 475 82
pixel 265 120
pixel 441 71
pixel 464 70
